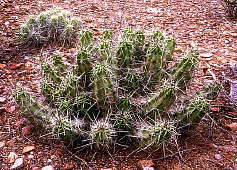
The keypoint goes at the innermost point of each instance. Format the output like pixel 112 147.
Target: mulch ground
pixel 195 23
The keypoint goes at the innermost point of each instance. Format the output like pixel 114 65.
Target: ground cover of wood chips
pixel 194 23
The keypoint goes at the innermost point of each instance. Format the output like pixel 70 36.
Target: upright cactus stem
pixel 104 88
pixel 154 60
pixel 86 40
pixel 124 54
pixel 183 72
pixel 169 48
pixel 84 65
pixel 161 101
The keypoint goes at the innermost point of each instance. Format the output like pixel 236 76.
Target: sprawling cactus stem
pixel 101 134
pixel 66 130
pixel 212 91
pixel 153 135
pixel 182 73
pixel 161 101
pixel 59 64
pixel 103 87
pixel 50 74
pixel 154 60
pixel 32 109
pixel 124 54
pixel 169 48
pixel 86 40
pixel 195 111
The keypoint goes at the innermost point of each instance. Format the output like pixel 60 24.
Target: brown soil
pixel 200 23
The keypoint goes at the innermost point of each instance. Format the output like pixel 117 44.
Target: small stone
pixel 49 167
pixel 232 126
pixel 227 41
pixel 2 99
pixel 68 165
pixel 14 66
pixel 12 157
pixel 2 66
pixel 28 149
pixel 233 34
pixel 21 122
pixel 2 144
pixel 206 55
pixel 36 168
pixel 27 130
pixel 145 163
pixel 148 168
pixel 218 156
pixel 19 163
pixel 30 156
pixel 11 109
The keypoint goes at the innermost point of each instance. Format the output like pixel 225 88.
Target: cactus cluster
pixel 118 91
pixel 56 25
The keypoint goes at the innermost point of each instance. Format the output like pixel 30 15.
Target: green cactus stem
pixel 101 134
pixel 123 122
pixel 104 88
pixel 124 54
pixel 154 58
pixel 182 73
pixel 152 136
pixel 51 74
pixel 169 48
pixel 86 40
pixel 84 65
pixel 195 111
pixel 31 108
pixel 161 101
pixel 125 104
pixel 66 130
pixel 59 64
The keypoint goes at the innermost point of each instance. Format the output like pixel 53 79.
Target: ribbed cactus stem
pixel 51 74
pixel 169 48
pixel 104 89
pixel 154 60
pixel 86 40
pixel 182 73
pixel 84 65
pixel 153 135
pixel 66 130
pixel 195 111
pixel 31 108
pixel 124 54
pixel 161 101
pixel 101 134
